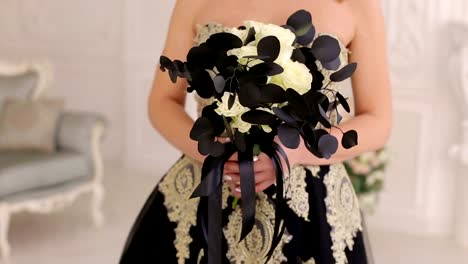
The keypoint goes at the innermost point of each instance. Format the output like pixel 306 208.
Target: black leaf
pixel 284 116
pixel 202 83
pixel 224 41
pixel 328 145
pixel 269 47
pixel 297 103
pixel 343 74
pixel 250 36
pixel 298 56
pixel 259 117
pixel 301 21
pixel 201 57
pixel 232 99
pixel 217 149
pixel 256 57
pixel 179 67
pixel 166 63
pixel 187 73
pixel 266 69
pixel 205 144
pixel 289 136
pixel 306 38
pixel 326 48
pixel 272 93
pixel 350 139
pixel 201 127
pixel 173 76
pixel 219 83
pixel 343 102
pixel 249 95
pixel 216 120
pixel 332 65
pixel 311 64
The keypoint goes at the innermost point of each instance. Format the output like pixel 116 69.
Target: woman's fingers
pixel 263 185
pixel 231 167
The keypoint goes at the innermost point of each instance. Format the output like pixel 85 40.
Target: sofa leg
pixel 5 249
pixel 96 206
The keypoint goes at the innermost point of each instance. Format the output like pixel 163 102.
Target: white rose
pixel 295 75
pixel 240 124
pixel 285 36
pixel 223 107
pixel 245 51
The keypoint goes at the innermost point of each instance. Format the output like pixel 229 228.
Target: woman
pixel 323 221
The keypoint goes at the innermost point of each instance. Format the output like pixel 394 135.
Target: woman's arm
pixel 166 106
pixel 371 88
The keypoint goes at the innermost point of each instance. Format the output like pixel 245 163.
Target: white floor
pixel 68 237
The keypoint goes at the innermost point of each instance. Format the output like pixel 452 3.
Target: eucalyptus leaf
pixel 326 48
pixel 350 139
pixel 284 116
pixel 328 145
pixel 344 73
pixel 289 136
pixel 219 83
pixel 259 117
pixel 269 47
pixel 343 102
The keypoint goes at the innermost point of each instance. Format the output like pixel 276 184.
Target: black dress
pixel 323 220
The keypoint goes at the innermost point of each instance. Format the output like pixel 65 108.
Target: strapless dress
pixel 323 222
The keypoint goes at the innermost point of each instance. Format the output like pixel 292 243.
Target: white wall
pixel 84 41
pixel 105 53
pixel 419 195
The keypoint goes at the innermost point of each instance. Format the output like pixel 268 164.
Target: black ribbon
pixel 247 176
pixel 210 191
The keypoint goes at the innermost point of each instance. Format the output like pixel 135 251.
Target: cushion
pixel 30 171
pixel 29 124
pixel 21 86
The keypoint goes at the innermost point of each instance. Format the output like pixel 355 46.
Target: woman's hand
pixel 264 174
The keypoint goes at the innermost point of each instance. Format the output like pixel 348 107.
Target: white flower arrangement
pixel 367 173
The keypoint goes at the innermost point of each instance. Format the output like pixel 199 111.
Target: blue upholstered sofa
pixel 45 182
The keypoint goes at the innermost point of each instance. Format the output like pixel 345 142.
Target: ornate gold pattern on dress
pixel 343 212
pixel 295 190
pixel 254 248
pixel 177 186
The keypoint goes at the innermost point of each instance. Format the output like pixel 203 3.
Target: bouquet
pixel 265 81
pixel 366 172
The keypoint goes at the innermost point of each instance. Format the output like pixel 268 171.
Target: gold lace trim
pixel 254 248
pixel 343 212
pixel 177 186
pixel 295 190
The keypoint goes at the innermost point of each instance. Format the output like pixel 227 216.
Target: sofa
pixel 46 182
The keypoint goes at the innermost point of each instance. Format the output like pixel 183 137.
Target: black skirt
pixel 168 229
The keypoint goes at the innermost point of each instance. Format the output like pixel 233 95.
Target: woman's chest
pixel 329 16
